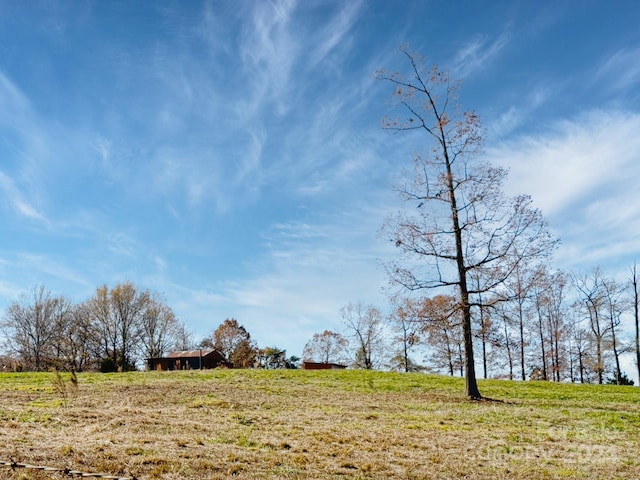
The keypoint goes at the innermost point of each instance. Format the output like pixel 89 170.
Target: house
pixel 188 360
pixel 322 366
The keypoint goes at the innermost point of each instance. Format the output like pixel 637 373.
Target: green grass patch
pixel 320 424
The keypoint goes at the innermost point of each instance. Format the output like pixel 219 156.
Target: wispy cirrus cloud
pixel 269 51
pixel 18 201
pixel 21 146
pixel 622 69
pixel 517 114
pixel 477 53
pixel 335 33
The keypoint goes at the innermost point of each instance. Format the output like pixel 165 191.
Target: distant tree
pixel 82 344
pixel 621 379
pixel 325 347
pixel 634 304
pixel 274 358
pixel 556 316
pixel 519 288
pixel 442 324
pixel 406 325
pixel 366 326
pixel 580 344
pixel 615 306
pixel 234 342
pixel 34 326
pixel 508 338
pixel 593 300
pixel 459 221
pixel 160 329
pixel 118 315
pixel 540 299
pixel 183 337
pixel 487 330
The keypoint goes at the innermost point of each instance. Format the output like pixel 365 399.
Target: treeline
pixel 542 325
pixel 111 331
pixel 116 329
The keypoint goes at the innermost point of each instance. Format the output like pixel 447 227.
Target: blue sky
pixel 229 154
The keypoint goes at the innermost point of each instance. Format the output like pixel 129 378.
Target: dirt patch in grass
pixel 298 424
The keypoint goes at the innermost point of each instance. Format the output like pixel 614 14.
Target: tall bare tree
pixel 518 288
pixel 557 321
pixel 160 329
pixel 365 324
pixel 634 304
pixel 593 299
pixel 458 220
pixel 615 306
pixel 118 314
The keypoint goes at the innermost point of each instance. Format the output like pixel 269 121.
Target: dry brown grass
pixel 297 424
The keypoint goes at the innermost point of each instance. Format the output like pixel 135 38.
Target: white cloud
pixel 269 52
pixel 622 69
pixel 334 34
pixel 583 174
pixel 514 116
pixel 18 201
pixel 570 161
pixel 477 53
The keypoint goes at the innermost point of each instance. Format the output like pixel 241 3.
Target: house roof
pixel 329 364
pixel 191 353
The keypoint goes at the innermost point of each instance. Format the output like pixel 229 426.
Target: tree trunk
pixel 471 384
pixel 542 349
pixel 508 346
pixel 523 373
pixel 616 354
pixel 634 283
pixel 449 351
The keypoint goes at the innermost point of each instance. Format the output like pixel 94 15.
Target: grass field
pixel 322 424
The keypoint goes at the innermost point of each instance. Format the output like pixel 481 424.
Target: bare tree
pixel 459 221
pixel 82 343
pixel 183 337
pixel 593 299
pixel 580 341
pixel 507 338
pixel 118 316
pixel 159 329
pixel 442 324
pixel 35 326
pixel 556 318
pixel 518 288
pixel 634 303
pixel 406 324
pixel 613 294
pixel 365 323
pixel 326 347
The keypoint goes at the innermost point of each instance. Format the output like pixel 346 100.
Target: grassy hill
pixel 315 424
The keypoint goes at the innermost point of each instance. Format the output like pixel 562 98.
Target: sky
pixel 229 155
